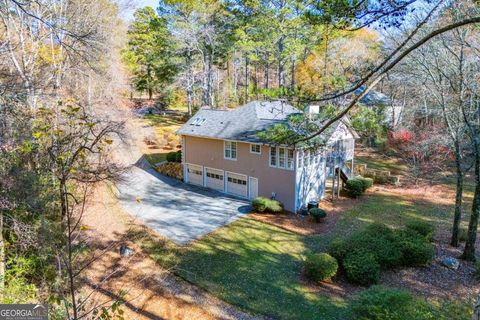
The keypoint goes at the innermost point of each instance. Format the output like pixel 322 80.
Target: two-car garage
pixel 223 181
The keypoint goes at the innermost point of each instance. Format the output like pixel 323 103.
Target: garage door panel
pixel 214 179
pixel 237 184
pixel 195 174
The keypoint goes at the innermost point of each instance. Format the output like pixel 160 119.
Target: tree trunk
pixel 247 60
pixel 266 80
pixel 2 258
pixel 469 251
pixel 458 197
pixel 292 84
pixel 280 64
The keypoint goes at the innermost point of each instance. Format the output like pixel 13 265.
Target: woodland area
pixel 74 73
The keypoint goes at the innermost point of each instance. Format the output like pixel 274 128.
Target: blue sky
pixel 128 14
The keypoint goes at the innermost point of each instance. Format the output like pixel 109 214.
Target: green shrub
pixel 317 214
pixel 416 251
pixel 361 267
pixel 338 249
pixel 380 241
pixel 354 187
pixel 171 156
pixel 424 228
pixel 262 204
pixel 178 156
pixel 367 182
pixel 320 266
pixel 380 303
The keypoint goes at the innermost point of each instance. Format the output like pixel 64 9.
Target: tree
pixel 149 52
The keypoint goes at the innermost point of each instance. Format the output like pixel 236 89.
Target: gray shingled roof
pixel 240 124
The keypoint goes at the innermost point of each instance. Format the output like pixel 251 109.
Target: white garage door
pixel 195 174
pixel 214 179
pixel 237 184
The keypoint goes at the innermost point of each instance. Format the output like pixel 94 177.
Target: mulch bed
pixel 304 225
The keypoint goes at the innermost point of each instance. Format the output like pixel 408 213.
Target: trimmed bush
pixel 262 204
pixel 320 266
pixel 380 241
pixel 380 303
pixel 367 182
pixel 171 156
pixel 178 156
pixel 317 214
pixel 424 228
pixel 354 187
pixel 416 251
pixel 338 249
pixel 361 267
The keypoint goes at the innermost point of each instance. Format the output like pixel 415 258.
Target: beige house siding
pixel 209 153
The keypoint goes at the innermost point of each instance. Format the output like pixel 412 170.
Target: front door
pixel 253 187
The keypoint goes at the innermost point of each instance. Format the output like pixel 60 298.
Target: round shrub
pixel 381 245
pixel 361 267
pixel 259 204
pixel 317 214
pixel 421 227
pixel 416 251
pixel 338 248
pixel 354 187
pixel 171 156
pixel 367 182
pixel 320 266
pixel 380 303
pixel 178 156
pixel 262 204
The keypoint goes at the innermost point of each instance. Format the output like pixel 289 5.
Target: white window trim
pixel 270 157
pixel 285 158
pixel 255 144
pixel 224 149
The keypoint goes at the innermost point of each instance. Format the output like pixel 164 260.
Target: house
pixel 221 151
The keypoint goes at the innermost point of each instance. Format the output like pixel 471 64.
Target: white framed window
pixel 290 153
pixel 306 158
pixel 255 148
pixel 300 159
pixel 273 156
pixel 312 157
pixel 230 150
pixel 281 157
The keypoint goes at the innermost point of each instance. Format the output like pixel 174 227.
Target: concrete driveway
pixel 176 210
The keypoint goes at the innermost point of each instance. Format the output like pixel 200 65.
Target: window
pixel 256 148
pixel 306 158
pixel 300 159
pixel 312 157
pixel 281 157
pixel 290 159
pixel 273 156
pixel 230 150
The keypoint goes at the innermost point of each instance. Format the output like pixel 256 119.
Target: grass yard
pixel 258 267
pixel 393 165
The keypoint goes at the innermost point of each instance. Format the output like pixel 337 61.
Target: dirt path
pixel 151 291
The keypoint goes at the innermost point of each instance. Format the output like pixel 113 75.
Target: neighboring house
pixel 221 151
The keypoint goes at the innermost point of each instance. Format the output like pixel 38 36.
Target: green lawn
pixel 154 158
pixel 258 267
pixel 393 165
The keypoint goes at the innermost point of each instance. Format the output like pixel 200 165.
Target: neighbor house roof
pixel 240 124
